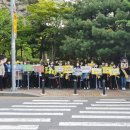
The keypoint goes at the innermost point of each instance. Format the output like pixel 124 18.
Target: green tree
pixel 98 29
pixel 46 18
pixel 5 31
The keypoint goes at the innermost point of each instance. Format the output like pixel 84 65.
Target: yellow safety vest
pixel 46 70
pixel 126 75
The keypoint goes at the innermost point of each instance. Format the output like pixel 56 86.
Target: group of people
pixel 89 80
pixel 55 79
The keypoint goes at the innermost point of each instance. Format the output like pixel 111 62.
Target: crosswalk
pixel 104 114
pixel 99 114
pixel 30 115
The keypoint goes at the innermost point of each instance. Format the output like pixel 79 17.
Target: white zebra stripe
pixel 19 127
pixel 50 100
pixel 25 120
pixel 46 106
pixel 123 100
pixel 93 124
pixel 100 117
pixel 31 114
pixel 80 100
pixel 107 108
pixel 111 105
pixel 105 112
pixel 114 102
pixel 22 109
pixel 58 103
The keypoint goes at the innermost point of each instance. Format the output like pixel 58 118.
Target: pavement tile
pixel 70 92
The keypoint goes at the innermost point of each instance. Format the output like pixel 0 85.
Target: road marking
pixel 19 127
pixel 107 108
pixel 58 103
pixel 15 113
pixel 80 100
pixel 100 117
pixel 25 120
pixel 47 106
pixel 106 112
pixel 50 100
pixel 114 102
pixel 103 124
pixel 23 109
pixel 111 105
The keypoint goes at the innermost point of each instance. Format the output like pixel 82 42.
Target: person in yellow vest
pixel 52 77
pixel 123 77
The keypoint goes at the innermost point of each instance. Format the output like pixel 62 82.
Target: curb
pixel 17 94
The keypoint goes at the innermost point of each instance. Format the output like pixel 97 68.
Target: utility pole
pixel 13 14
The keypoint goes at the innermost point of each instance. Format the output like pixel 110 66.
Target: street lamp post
pixel 13 46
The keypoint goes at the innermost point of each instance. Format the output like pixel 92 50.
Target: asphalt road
pixel 69 113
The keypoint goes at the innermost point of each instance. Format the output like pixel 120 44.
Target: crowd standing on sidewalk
pixel 56 77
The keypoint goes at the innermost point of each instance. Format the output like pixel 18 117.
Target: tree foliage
pixel 98 29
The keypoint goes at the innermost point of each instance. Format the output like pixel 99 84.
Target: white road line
pixel 110 105
pixel 100 117
pixel 108 124
pixel 114 102
pixel 26 109
pixel 80 100
pixel 50 100
pixel 31 114
pixel 107 108
pixel 19 127
pixel 47 106
pixel 58 103
pixel 112 99
pixel 25 120
pixel 106 112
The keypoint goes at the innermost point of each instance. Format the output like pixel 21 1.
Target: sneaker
pixel 84 88
pixel 107 88
pixel 123 88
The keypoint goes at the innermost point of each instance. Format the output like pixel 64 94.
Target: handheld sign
pixel 28 68
pixel 96 71
pixel 91 64
pixel 59 69
pixel 114 71
pixel 68 69
pixel 77 71
pixel 19 67
pixel 86 69
pixel 106 70
pixel 39 68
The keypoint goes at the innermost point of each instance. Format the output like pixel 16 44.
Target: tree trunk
pixel 52 52
pixel 21 53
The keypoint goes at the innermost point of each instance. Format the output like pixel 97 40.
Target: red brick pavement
pixel 81 93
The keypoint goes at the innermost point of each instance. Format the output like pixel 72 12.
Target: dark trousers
pixel 9 82
pixel 1 82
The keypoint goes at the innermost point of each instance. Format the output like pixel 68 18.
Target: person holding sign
pixel 106 76
pixel 96 74
pixel 114 75
pixel 68 70
pixel 123 76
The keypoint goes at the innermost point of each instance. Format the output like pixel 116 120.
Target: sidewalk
pixel 36 92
